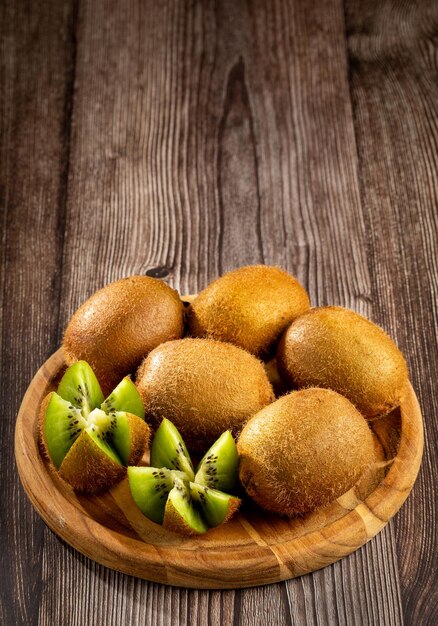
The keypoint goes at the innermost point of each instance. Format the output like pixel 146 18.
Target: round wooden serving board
pixel 254 548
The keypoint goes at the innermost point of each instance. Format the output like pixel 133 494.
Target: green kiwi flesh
pixel 215 506
pixel 101 442
pixel 85 443
pixel 63 424
pixel 218 468
pixel 180 514
pixel 169 450
pixel 150 488
pixel 125 397
pixel 126 435
pixel 80 387
pixel 168 493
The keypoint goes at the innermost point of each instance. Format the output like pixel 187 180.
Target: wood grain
pixel 395 99
pixel 36 71
pixel 254 548
pixel 205 136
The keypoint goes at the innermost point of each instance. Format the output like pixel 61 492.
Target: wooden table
pixel 183 139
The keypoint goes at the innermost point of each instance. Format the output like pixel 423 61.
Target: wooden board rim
pixel 258 564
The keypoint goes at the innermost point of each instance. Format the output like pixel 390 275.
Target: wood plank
pixel 205 137
pixel 36 52
pixel 392 47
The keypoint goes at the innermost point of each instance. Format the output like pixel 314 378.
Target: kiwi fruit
pixel 218 467
pixel 172 496
pixel 339 349
pixel 249 307
pixel 216 507
pixel 120 324
pixel 180 515
pixel 169 450
pixel 205 386
pixel 150 488
pixel 90 440
pixel 303 451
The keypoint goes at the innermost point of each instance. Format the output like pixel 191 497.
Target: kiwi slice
pixel 125 397
pixel 127 436
pixel 150 488
pixel 91 465
pixel 80 387
pixel 215 506
pixel 180 515
pixel 169 493
pixel 169 450
pixel 219 466
pixel 88 445
pixel 63 424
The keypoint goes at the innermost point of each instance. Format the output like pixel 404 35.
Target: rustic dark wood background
pixel 180 140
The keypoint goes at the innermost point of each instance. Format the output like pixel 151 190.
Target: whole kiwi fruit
pixel 339 349
pixel 249 307
pixel 303 451
pixel 120 324
pixel 204 387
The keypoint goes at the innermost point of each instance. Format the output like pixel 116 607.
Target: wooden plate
pixel 254 548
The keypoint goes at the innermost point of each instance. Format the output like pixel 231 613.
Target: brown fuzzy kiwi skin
pixel 249 307
pixel 204 387
pixel 339 349
pixel 40 426
pixel 303 451
pixel 174 522
pixel 120 324
pixel 233 505
pixel 140 435
pixel 88 469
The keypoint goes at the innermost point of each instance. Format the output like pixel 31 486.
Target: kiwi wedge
pixel 180 514
pixel 216 507
pixel 90 440
pixel 124 398
pixel 80 387
pixel 150 488
pixel 219 466
pixel 170 494
pixel 169 450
